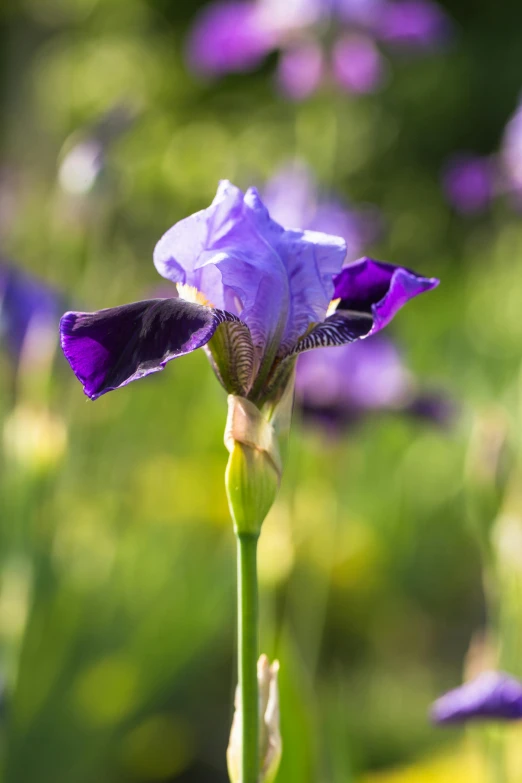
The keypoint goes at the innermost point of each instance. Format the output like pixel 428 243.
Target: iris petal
pixel 378 289
pixel 110 348
pixel 311 259
pixel 278 282
pixel 227 252
pixel 338 329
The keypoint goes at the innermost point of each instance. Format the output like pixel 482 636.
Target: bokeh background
pixel 117 562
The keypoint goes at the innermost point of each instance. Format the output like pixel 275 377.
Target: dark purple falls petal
pixel 377 289
pixel 490 696
pixel 110 348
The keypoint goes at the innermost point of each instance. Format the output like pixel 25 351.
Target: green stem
pixel 248 654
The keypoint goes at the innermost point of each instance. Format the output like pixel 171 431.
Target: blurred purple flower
pixel 269 293
pixel 413 24
pixel 236 35
pixel 337 384
pixel 357 64
pixel 300 70
pixel 29 312
pixel 229 36
pixel 361 14
pixel 293 16
pixel 468 182
pixel 490 696
pixel 336 387
pixel 293 199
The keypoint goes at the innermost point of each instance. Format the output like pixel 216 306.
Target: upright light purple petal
pixel 300 70
pixel 468 182
pixel 110 348
pixel 276 281
pixel 377 289
pixel 413 24
pixel 357 64
pixel 229 36
pixel 490 696
pixel 311 260
pixel 228 253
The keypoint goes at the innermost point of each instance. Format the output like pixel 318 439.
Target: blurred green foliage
pixel 117 559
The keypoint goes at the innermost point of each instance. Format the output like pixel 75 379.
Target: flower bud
pixel 251 484
pixel 270 744
pixel 254 466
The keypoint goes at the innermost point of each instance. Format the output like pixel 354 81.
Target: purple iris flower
pixel 293 198
pixel 236 35
pixel 29 308
pixel 468 182
pixel 357 64
pixel 337 387
pixel 252 292
pixel 490 696
pixel 301 70
pixel 232 35
pixel 414 24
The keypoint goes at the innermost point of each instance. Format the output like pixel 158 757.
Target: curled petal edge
pixel 378 289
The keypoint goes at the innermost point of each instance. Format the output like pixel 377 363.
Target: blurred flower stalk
pixel 494 507
pixel 254 294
